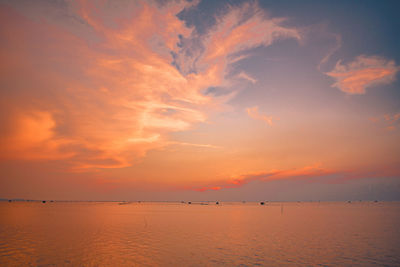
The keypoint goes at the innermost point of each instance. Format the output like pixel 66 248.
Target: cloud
pixel 237 29
pixel 305 173
pixel 392 118
pixel 363 72
pixel 390 121
pixel 255 114
pixel 193 145
pixel 337 45
pixel 32 137
pixel 102 92
pixel 245 76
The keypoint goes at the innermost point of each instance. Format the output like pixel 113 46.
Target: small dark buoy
pixel 189 202
pixel 44 201
pixel 51 200
pixel 349 201
pixel 217 203
pixel 376 201
pixel 262 203
pixel 9 200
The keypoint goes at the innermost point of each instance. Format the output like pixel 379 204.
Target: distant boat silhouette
pixel 44 201
pixel 9 200
pixel 217 203
pixel 189 202
pixel 262 203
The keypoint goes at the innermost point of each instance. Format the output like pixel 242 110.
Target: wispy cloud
pixel 363 72
pixel 255 114
pixel 239 28
pixel 337 45
pixel 192 144
pixel 390 121
pixel 104 97
pixel 246 76
pixel 307 173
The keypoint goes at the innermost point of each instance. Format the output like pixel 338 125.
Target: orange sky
pixel 108 100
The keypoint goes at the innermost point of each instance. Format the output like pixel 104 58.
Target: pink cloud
pixel 302 173
pixel 390 121
pixel 255 114
pixel 363 72
pixel 306 172
pixel 105 103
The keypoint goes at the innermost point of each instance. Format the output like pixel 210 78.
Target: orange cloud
pixel 392 118
pixel 104 95
pixel 32 137
pixel 363 72
pixel 390 121
pixel 306 172
pixel 255 114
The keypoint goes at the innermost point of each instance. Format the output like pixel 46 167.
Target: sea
pixel 357 233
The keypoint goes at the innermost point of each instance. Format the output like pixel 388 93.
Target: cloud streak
pixel 255 114
pixel 104 102
pixel 303 173
pixel 364 71
pixel 307 173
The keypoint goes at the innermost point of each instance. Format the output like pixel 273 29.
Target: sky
pixel 200 100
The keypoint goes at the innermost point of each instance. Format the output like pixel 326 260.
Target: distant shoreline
pixel 190 201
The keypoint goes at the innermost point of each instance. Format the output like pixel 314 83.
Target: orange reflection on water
pixel 178 234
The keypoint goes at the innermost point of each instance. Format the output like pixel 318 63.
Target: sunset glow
pixel 171 100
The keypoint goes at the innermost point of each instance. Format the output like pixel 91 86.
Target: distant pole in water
pixel 281 209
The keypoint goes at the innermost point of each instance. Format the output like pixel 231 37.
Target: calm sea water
pixel 175 234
